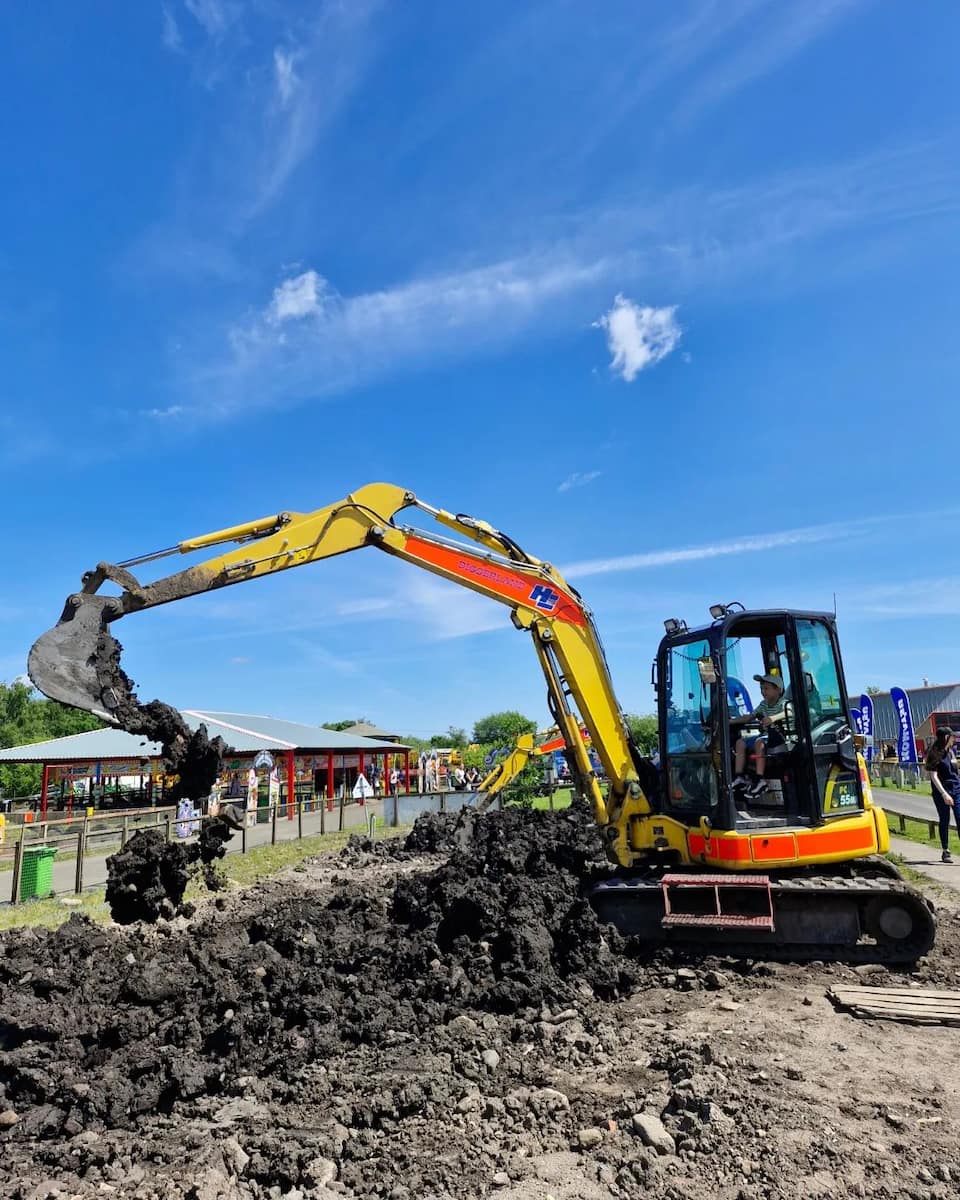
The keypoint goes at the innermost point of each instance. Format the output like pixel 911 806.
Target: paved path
pixel 917 804
pixel 926 860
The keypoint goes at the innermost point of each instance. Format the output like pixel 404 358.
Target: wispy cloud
pixel 214 16
pixel 171 31
pixel 918 597
pixel 311 341
pixel 745 545
pixel 777 34
pixel 638 336
pixel 330 64
pixel 578 479
pixel 286 75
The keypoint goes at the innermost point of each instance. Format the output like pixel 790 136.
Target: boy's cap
pixel 776 680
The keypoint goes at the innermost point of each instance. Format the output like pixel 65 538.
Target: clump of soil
pixel 146 880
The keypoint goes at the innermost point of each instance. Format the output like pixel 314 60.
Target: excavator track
pixel 861 916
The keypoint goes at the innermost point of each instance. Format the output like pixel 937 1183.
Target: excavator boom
pixel 78 660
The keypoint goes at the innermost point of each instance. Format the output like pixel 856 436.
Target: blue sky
pixel 667 292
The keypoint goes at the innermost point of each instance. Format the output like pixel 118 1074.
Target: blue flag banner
pixel 857 719
pixel 866 719
pixel 906 743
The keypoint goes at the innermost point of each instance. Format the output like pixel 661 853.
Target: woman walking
pixel 941 762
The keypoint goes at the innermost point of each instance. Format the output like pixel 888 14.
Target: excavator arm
pixel 77 662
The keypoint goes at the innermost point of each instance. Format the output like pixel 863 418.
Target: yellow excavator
pixel 786 857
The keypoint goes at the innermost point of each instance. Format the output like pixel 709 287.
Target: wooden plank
pixel 919 1001
pixel 911 993
pixel 899 1004
pixel 904 1014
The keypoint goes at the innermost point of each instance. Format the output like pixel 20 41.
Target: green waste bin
pixel 36 872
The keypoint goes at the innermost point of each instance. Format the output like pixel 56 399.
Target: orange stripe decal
pixel 488 576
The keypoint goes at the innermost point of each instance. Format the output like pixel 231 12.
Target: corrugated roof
pixel 243 732
pixel 943 697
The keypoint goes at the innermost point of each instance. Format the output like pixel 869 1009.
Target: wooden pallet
pixel 917 1005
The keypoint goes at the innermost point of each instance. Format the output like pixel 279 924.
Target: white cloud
pixel 286 75
pixel 213 15
pixel 920 597
pixel 171 31
pixel 578 479
pixel 172 412
pixel 363 607
pixel 744 545
pixel 299 296
pixel 638 337
pixel 773 37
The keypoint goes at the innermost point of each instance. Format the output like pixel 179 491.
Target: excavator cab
pixel 708 683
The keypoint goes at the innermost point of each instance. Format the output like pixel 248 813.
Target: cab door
pixel 821 700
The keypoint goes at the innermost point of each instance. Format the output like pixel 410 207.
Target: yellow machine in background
pixel 696 861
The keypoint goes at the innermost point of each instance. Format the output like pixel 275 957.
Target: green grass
pixel 240 870
pixel 54 911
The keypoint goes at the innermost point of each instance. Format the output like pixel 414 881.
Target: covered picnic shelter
pixel 300 761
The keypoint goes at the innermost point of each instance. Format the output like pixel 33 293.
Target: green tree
pixel 339 726
pixel 873 690
pixel 26 717
pixel 453 739
pixel 644 730
pixel 502 728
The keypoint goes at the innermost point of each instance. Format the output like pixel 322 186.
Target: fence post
pixel 931 830
pixel 903 822
pixel 323 816
pixel 300 817
pixel 81 849
pixel 17 862
pixel 343 794
pixel 273 825
pixel 372 826
pixel 123 833
pixel 166 824
pixel 243 837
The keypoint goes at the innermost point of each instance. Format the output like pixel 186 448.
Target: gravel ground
pixel 446 1018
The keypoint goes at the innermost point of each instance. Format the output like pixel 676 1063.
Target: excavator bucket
pixel 77 661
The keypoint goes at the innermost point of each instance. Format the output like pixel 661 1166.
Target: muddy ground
pixel 449 1020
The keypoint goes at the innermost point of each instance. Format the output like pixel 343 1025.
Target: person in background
pixel 394 781
pixel 473 777
pixel 941 763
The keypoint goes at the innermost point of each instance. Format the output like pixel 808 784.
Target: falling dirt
pixel 148 878
pixel 448 1023
pixel 192 755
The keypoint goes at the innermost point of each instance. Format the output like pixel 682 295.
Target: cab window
pixel 821 682
pixel 691 770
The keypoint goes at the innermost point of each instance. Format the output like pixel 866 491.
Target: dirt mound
pixel 379 1030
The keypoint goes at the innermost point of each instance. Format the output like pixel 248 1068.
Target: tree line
pixel 25 718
